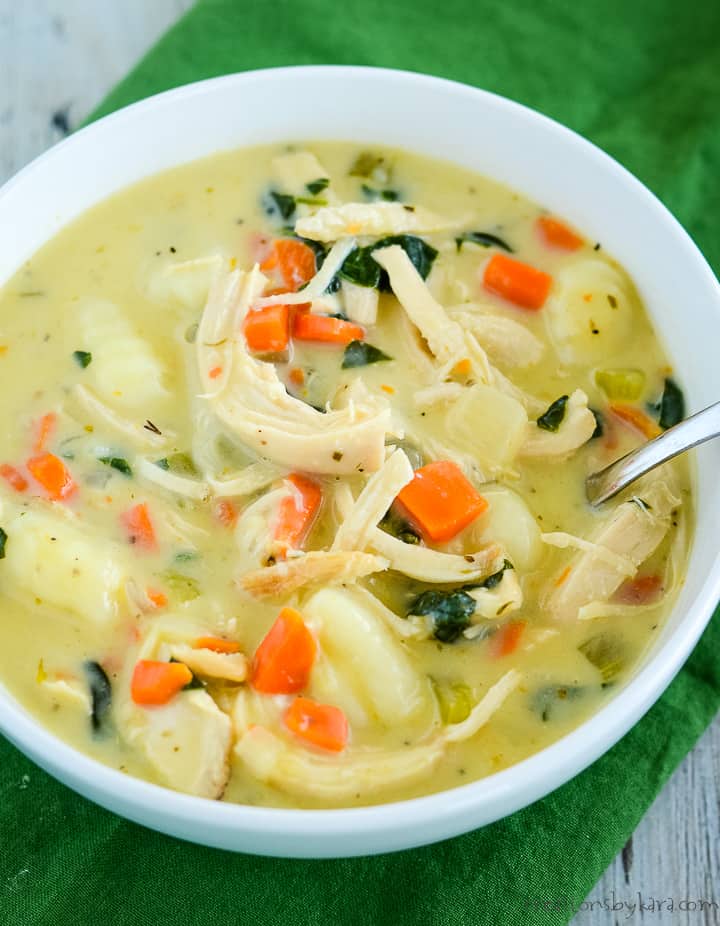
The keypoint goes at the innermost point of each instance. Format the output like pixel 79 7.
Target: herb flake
pixel 554 416
pixel 118 463
pixel 83 358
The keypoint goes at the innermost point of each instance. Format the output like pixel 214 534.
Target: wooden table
pixel 57 60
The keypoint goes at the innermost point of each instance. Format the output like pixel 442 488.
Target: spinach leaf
pixel 606 652
pixel 360 354
pixel 599 424
pixel 397 526
pixel 3 543
pixel 83 358
pixel 422 255
pixel 373 195
pixel 360 268
pixel 450 612
pixel 317 186
pixel 485 239
pixel 672 405
pixel 100 693
pixel 280 205
pixel 118 463
pixel 495 579
pixel 546 700
pixel 553 417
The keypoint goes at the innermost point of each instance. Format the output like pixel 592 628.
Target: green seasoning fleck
pixel 3 543
pixel 450 612
pixel 317 186
pixel 163 464
pixel 118 463
pixel 185 556
pixel 367 164
pixel 83 358
pixel 672 405
pixel 373 195
pixel 280 204
pixel 545 701
pixel 360 354
pixel 553 417
pixel 485 239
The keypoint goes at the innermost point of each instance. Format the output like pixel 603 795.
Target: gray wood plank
pixel 57 60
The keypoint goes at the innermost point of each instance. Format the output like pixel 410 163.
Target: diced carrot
pixel 389 389
pixel 322 725
pixel 154 683
pixel 309 327
pixel 139 527
pixel 268 330
pixel 558 235
pixel 13 477
pixel 296 513
pixel 517 282
pixel 53 476
pixel 637 419
pixel 157 598
pixel 217 645
pixel 295 260
pixel 297 376
pixel 506 639
pixel 441 501
pixel 43 431
pixel 226 512
pixel 640 590
pixel 284 660
pixel 215 372
pixel 462 367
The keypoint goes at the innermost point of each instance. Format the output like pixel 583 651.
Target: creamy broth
pixel 133 418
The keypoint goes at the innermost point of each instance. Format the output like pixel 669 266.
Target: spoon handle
pixel 697 429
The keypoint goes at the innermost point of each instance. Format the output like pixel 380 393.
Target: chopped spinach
pixel 185 556
pixel 553 417
pixel 546 700
pixel 118 463
pixel 3 543
pixel 100 693
pixel 672 405
pixel 373 195
pixel 450 612
pixel 280 205
pixel 397 526
pixel 83 358
pixel 606 652
pixel 317 186
pixel 495 579
pixel 485 239
pixel 360 354
pixel 599 424
pixel 360 268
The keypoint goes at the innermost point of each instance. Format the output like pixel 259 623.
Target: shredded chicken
pixel 316 566
pixel 499 601
pixel 508 343
pixel 360 303
pixel 231 667
pixel 369 219
pixel 139 434
pixel 576 429
pixel 178 485
pixel 428 565
pixel 628 537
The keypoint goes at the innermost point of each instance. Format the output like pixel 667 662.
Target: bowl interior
pixel 481 132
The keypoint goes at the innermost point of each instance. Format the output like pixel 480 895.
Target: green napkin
pixel 641 80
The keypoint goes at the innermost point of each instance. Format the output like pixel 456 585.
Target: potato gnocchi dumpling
pixel 294 442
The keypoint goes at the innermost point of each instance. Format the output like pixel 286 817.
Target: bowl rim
pixel 397 824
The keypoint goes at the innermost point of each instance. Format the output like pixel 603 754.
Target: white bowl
pixel 481 132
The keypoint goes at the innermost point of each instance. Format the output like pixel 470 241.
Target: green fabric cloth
pixel 639 79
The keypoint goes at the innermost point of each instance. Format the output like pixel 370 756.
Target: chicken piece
pixel 508 343
pixel 250 400
pixel 428 565
pixel 369 219
pixel 186 742
pixel 360 303
pixel 627 538
pixel 369 508
pixel 317 566
pixel 500 600
pixel 231 667
pixel 576 429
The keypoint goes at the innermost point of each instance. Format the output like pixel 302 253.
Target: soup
pixel 294 442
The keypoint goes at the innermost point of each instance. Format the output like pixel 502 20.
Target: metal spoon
pixel 603 485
